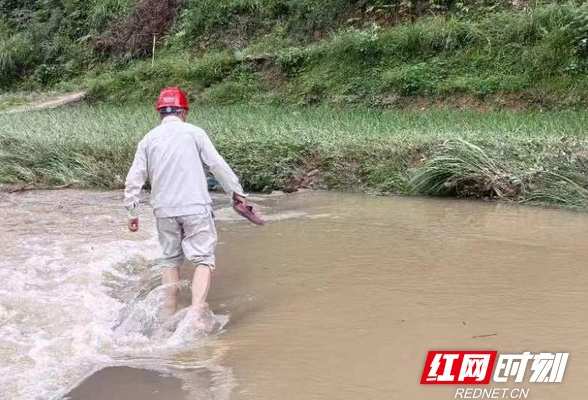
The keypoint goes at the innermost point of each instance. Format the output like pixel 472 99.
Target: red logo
pixel 458 367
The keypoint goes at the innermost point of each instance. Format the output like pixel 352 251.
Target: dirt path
pixel 65 99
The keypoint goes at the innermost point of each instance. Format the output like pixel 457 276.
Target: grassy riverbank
pixel 483 54
pixel 531 157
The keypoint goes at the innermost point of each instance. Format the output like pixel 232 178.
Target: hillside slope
pixel 379 53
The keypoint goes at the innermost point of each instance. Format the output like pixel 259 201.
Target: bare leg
pixel 170 279
pixel 203 318
pixel 200 285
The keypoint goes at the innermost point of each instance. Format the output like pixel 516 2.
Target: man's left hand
pixel 134 224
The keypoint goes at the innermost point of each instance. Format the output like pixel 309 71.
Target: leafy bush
pixel 103 12
pixel 354 46
pixel 211 68
pixel 406 80
pixel 579 30
pixel 17 55
pixel 234 91
pixel 46 40
pixel 293 60
pixel 428 37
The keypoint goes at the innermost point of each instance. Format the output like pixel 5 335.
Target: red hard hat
pixel 172 97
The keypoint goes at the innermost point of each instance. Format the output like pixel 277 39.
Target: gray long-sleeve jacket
pixel 173 156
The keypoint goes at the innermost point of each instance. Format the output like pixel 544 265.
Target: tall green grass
pixel 466 170
pixel 531 157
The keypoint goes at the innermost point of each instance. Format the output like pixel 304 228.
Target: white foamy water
pixel 80 293
pixel 56 314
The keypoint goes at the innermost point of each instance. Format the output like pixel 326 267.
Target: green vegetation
pixel 484 54
pixel 298 93
pixel 526 59
pixel 532 157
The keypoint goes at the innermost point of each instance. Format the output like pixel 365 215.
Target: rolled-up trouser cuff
pixel 208 261
pixel 173 262
pixel 210 266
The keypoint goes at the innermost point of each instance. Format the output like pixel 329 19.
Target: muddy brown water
pixel 339 297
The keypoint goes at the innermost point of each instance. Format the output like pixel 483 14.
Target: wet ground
pixel 339 297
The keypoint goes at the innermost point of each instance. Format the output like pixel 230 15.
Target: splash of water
pixel 62 318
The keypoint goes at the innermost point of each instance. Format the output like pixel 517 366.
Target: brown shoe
pixel 247 211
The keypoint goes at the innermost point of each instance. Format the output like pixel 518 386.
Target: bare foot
pixel 201 318
pixel 172 322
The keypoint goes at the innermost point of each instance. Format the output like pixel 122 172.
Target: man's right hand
pixel 246 211
pixel 134 224
pixel 237 198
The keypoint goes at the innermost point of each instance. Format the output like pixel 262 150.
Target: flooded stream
pixel 339 297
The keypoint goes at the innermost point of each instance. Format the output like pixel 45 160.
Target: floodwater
pixel 339 297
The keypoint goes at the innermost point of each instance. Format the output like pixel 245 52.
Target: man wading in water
pixel 172 156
